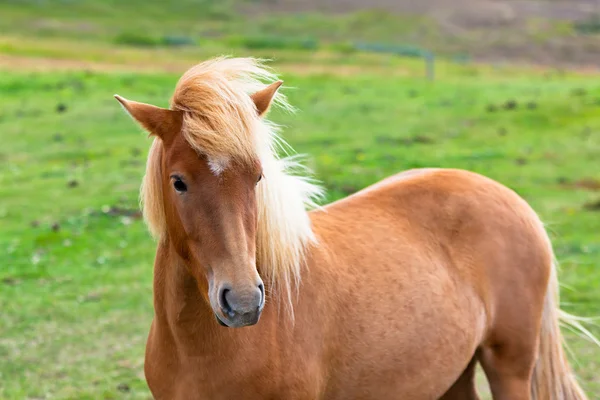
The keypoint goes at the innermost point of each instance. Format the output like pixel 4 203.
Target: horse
pixel 395 292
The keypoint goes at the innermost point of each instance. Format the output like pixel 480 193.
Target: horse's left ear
pixel 263 98
pixel 161 122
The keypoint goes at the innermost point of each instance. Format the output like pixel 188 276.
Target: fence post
pixel 429 64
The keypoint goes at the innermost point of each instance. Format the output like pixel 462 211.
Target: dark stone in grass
pixel 61 108
pixel 404 141
pixel 532 105
pixel 116 211
pixel 502 131
pixel 323 142
pixel 55 227
pixel 10 281
pixel 35 223
pixel 491 108
pixel 57 137
pixel 510 105
pixel 562 180
pixel 521 161
pixel 73 183
pixel 123 387
pixel 348 189
pixel 422 139
pixel 592 205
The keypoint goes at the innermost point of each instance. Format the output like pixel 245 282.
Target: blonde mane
pixel 221 122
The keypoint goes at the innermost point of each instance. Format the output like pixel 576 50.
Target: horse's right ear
pixel 161 122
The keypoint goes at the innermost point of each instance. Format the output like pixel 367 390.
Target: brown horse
pixel 395 292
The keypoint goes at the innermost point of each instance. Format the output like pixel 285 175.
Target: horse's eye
pixel 259 178
pixel 179 185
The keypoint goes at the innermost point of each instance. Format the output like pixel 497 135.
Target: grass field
pixel 76 261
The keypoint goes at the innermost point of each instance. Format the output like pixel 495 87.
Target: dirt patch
pixel 538 31
pixel 585 184
pixel 556 9
pixel 592 205
pixel 41 64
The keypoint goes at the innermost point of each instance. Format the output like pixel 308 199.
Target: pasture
pixel 76 260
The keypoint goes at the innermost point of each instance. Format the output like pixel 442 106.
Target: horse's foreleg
pixel 464 387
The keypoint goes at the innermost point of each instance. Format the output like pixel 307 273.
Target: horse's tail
pixel 553 378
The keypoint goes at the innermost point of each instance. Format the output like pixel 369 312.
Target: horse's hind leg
pixel 508 366
pixel 464 387
pixel 509 352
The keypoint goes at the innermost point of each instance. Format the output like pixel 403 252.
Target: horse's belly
pixel 419 369
pixel 413 344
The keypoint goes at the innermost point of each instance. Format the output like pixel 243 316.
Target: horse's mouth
pixel 237 324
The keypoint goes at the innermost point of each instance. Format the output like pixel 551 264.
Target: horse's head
pixel 208 182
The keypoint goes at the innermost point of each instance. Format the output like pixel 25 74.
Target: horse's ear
pixel 161 122
pixel 263 98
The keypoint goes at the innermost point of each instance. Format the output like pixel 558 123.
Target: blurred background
pixel 507 88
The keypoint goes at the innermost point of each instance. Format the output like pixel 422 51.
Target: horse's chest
pixel 203 383
pixel 244 376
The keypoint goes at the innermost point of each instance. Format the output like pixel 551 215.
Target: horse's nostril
pixel 224 303
pixel 261 287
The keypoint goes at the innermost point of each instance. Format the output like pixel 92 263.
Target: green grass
pixel 75 259
pixel 75 276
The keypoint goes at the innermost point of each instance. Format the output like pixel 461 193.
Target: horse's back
pixel 418 264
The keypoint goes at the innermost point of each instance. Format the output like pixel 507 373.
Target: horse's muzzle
pixel 239 309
